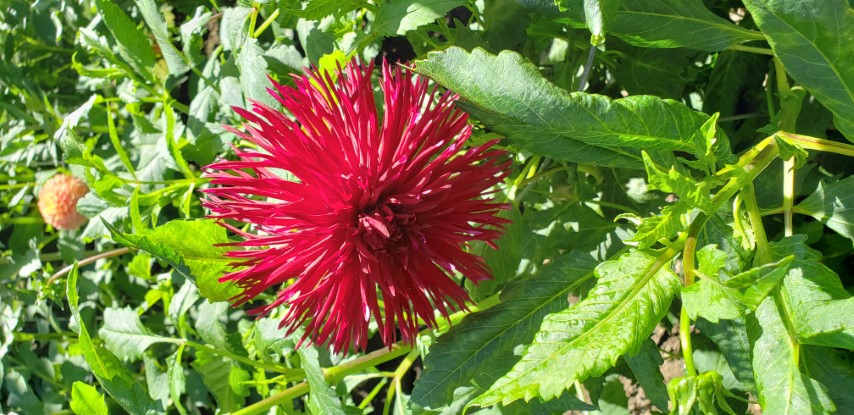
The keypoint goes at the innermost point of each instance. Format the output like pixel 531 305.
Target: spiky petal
pixel 359 214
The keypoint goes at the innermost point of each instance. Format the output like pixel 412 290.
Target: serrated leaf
pixel 820 305
pixel 396 17
pixel 196 258
pixel 781 386
pixel 709 300
pixel 508 94
pixel 134 46
pixel 125 336
pixel 666 24
pixel 322 399
pixel 86 400
pixel 696 193
pixel 690 393
pixel 481 348
pixel 253 73
pixel 116 380
pixel 175 60
pixel 663 225
pixel 815 42
pixel 630 297
pixel 833 205
pixel 224 379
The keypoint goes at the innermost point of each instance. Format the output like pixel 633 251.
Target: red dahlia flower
pixel 378 214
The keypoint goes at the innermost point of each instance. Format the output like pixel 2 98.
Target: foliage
pixel 679 172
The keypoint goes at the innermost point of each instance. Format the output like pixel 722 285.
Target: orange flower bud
pixel 58 201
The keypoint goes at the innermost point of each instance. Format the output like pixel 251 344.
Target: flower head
pixel 362 214
pixel 58 201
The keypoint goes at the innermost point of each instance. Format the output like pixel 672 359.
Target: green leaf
pixel 598 14
pixel 318 9
pixel 815 42
pixel 696 193
pixel 660 72
pixel 731 338
pixel 663 225
pixel 125 336
pixel 666 24
pixel 253 73
pixel 701 390
pixel 134 46
pixel 116 380
pixel 322 398
pixel 833 205
pixel 820 305
pixel 782 388
pixel 224 379
pixel 176 378
pixel 835 370
pixel 645 366
pixel 715 297
pixel 175 60
pixel 480 349
pixel 396 17
pixel 86 400
pixel 508 94
pixel 633 293
pixel 196 258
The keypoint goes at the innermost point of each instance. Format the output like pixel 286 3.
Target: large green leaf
pixel 116 380
pixel 175 59
pixel 815 42
pixel 224 378
pixel 507 93
pixel 666 24
pixel 832 204
pixel 396 17
pixel 633 293
pixel 820 305
pixel 782 388
pixel 480 349
pixel 835 370
pixel 645 366
pixel 124 334
pixel 133 45
pixel 86 400
pixel 322 398
pixel 194 257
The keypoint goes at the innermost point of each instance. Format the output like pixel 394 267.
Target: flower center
pixel 381 227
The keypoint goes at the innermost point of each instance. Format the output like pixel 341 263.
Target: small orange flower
pixel 58 201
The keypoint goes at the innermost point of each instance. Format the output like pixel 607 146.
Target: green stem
pixel 292 373
pixel 790 107
pixel 87 261
pixel 818 144
pixel 270 19
pixel 688 269
pixel 398 374
pixel 751 49
pixel 16 185
pixel 331 375
pixel 749 197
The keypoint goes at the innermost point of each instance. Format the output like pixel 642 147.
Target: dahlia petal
pixel 379 216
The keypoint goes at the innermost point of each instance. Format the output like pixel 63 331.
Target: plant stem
pixel 751 49
pixel 266 23
pixel 87 261
pixel 587 67
pixel 749 197
pixel 688 268
pixel 332 375
pixel 818 144
pixel 398 374
pixel 293 373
